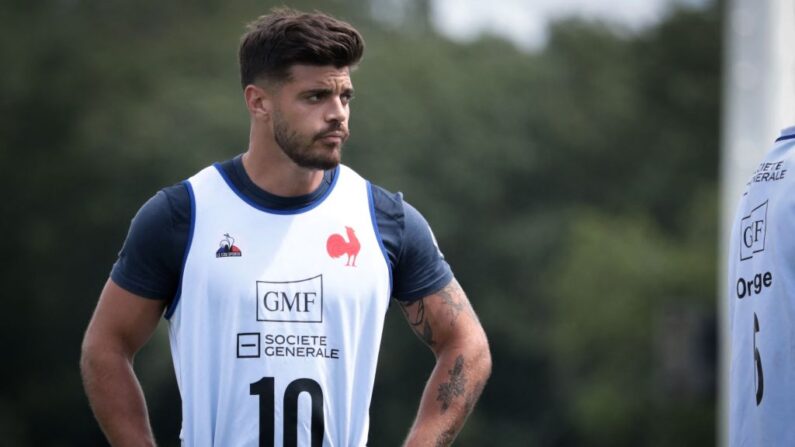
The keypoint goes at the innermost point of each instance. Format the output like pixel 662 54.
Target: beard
pixel 307 151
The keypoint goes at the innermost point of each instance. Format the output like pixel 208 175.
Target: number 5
pixel 760 378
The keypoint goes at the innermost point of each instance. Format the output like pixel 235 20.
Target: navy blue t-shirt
pixel 150 261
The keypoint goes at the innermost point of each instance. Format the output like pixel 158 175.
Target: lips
pixel 335 135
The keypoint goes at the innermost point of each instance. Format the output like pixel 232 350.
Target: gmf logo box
pixel 291 301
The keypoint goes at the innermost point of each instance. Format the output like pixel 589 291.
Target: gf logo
pixel 753 229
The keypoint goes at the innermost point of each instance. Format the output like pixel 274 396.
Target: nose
pixel 337 111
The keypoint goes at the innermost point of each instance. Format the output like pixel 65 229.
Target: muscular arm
pixel 121 324
pixel 446 323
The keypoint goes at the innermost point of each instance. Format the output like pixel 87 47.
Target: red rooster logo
pixel 338 246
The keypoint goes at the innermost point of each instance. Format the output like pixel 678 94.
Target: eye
pixel 316 96
pixel 346 97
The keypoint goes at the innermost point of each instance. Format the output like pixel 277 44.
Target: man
pixel 274 270
pixel 761 304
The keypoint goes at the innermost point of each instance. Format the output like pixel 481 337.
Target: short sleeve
pixel 418 266
pixel 422 269
pixel 150 260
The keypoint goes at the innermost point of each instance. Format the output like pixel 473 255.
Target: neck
pixel 272 170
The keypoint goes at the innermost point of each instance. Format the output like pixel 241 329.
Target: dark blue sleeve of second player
pixel 418 266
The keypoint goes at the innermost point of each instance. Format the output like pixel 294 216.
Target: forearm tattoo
pixel 447 437
pixel 455 387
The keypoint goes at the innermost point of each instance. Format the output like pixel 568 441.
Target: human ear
pixel 258 101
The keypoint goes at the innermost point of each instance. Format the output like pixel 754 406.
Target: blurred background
pixel 565 153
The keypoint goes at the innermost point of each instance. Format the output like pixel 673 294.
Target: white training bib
pixel 762 304
pixel 276 331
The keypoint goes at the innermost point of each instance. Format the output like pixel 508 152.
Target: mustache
pixel 333 131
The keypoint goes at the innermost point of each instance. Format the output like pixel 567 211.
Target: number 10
pixel 264 388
